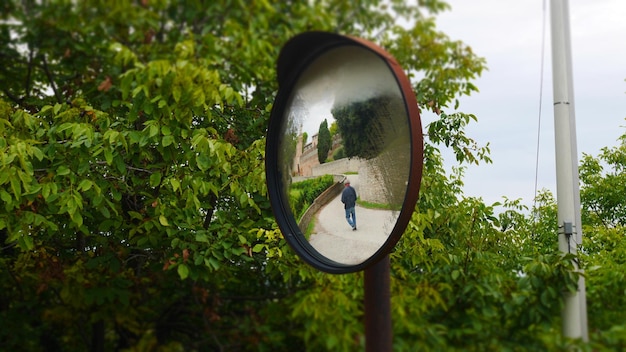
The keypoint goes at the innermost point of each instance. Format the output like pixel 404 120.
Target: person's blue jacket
pixel 348 197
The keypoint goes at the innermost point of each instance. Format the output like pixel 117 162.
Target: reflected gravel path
pixel 334 238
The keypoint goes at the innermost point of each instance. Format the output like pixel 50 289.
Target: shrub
pixel 302 194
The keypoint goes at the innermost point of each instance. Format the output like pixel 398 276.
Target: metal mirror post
pixel 344 113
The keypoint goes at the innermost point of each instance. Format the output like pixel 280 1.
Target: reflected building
pixel 306 159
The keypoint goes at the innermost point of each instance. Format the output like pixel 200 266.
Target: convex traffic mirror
pixel 344 114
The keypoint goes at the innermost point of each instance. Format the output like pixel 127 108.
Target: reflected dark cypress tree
pixel 323 142
pixel 362 126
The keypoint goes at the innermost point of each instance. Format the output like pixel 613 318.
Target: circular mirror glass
pixel 342 153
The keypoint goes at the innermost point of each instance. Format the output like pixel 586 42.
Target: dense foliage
pixel 134 213
pixel 603 183
pixel 361 125
pixel 303 193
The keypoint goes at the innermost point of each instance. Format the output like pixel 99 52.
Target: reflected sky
pixel 340 76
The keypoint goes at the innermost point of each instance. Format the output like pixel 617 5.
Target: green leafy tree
pixel 324 142
pixel 334 129
pixel 603 185
pixel 134 212
pixel 604 226
pixel 362 125
pixel 478 286
pixel 130 154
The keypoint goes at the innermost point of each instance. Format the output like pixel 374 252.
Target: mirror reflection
pixel 346 123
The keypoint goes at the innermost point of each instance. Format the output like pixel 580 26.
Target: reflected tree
pixel 323 142
pixel 361 125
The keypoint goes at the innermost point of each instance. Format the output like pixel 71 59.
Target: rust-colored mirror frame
pixel 297 54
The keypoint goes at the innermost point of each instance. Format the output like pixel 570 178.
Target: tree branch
pixel 51 80
pixel 28 74
pixel 12 97
pixel 210 211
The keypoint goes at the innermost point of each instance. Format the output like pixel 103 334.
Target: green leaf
pixel 137 90
pixel 155 179
pixel 4 176
pixel 212 262
pixel 243 199
pixel 176 92
pixel 108 156
pixel 120 165
pixel 175 242
pixel 6 198
pixel 26 242
pixel 167 140
pixel 183 271
pixel 16 187
pixel 63 170
pixel 85 185
pixel 153 130
pixel 163 220
pixel 135 215
pixel 45 108
pixel 247 223
pixel 105 212
pixel 77 218
pixel 203 161
pixel 175 184
pixel 37 153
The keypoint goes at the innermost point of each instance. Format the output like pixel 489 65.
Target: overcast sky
pixel 508 34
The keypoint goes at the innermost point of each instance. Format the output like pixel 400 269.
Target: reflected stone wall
pixel 336 167
pixel 371 184
pixel 383 180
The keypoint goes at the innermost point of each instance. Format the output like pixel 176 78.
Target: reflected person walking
pixel 348 198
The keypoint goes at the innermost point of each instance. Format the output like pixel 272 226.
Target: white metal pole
pixel 574 312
